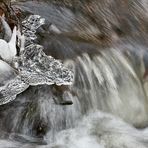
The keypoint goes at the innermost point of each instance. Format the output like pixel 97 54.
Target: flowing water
pixel 103 83
pixel 109 98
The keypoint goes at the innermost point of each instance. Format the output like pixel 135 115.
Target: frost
pixel 34 67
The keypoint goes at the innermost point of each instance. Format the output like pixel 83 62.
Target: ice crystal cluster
pixel 33 66
pixel 30 26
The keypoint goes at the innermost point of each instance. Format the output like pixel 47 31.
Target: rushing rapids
pixel 109 89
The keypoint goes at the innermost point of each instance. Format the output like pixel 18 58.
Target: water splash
pixel 100 130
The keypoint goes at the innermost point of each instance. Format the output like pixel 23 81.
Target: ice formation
pixel 37 68
pixel 33 66
pixel 30 26
pixel 8 49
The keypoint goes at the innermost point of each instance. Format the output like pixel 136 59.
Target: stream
pixel 108 94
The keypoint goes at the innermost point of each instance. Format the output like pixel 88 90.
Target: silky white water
pixel 104 84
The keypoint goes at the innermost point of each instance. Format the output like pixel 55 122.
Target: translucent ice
pixel 33 66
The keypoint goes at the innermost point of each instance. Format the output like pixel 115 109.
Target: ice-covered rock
pixel 8 49
pixel 30 26
pixel 33 66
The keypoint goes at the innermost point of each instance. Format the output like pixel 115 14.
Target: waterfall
pixel 104 83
